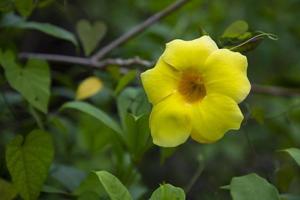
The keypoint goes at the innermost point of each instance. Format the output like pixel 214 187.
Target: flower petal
pixel 189 54
pixel 213 117
pixel 225 72
pixel 160 81
pixel 170 122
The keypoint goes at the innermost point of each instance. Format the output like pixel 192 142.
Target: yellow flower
pixel 195 89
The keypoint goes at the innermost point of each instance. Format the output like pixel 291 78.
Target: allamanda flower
pixel 195 89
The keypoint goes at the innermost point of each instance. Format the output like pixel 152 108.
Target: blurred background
pixel 83 144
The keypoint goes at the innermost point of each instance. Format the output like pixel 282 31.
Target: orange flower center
pixel 191 86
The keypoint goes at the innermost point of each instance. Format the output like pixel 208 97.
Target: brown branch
pixel 138 29
pixel 275 90
pixel 87 61
pixel 57 58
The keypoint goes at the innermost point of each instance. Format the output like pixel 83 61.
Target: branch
pixel 94 60
pixel 87 61
pixel 275 90
pixel 138 29
pixel 57 58
pixel 255 88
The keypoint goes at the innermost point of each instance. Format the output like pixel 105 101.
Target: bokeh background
pixel 83 144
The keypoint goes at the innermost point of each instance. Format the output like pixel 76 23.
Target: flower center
pixel 191 86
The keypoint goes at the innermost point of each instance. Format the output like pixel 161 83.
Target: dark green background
pixel 83 144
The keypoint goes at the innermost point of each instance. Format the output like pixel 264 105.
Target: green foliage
pixel 238 37
pixel 294 153
pixel 24 7
pixel 134 101
pixel 236 29
pixel 90 186
pixel 13 21
pixel 125 80
pixel 28 161
pixel 290 197
pixel 70 177
pixel 7 190
pixel 114 188
pixel 90 34
pixel 258 114
pixel 251 187
pixel 32 80
pixel 137 135
pixel 167 192
pixel 252 41
pixel 6 5
pixel 95 112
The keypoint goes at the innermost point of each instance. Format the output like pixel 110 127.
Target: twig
pixel 275 90
pixel 87 61
pixel 138 29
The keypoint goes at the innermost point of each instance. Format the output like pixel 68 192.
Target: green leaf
pixel 24 7
pixel 167 192
pixel 7 190
pixel 125 80
pixel 251 187
pixel 238 38
pixel 28 162
pixel 49 29
pixel 137 135
pixel 235 29
pixel 13 21
pixel 32 80
pixel 90 35
pixel 294 153
pixel 90 184
pixel 114 188
pixel 44 3
pixel 6 5
pixel 133 101
pixel 92 135
pixel 94 112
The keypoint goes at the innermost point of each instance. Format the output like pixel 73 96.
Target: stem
pixel 250 144
pixel 195 176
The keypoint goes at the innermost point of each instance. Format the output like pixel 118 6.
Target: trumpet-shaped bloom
pixel 195 88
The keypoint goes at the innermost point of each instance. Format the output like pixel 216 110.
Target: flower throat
pixel 191 86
